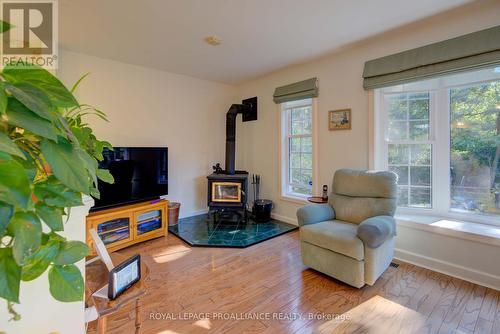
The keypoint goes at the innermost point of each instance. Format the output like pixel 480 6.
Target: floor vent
pixel 394 265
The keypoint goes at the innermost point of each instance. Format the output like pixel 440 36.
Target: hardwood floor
pixel 268 283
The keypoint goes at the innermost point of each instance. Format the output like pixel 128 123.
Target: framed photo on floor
pixel 339 119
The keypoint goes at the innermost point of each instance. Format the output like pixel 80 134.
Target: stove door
pixel 226 192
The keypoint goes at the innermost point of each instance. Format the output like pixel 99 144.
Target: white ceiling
pixel 258 36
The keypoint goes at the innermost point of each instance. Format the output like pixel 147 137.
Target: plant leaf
pixel 32 98
pixel 5 26
pixel 42 79
pixel 83 110
pixel 105 176
pixel 10 276
pixel 83 134
pixel 94 192
pixel 14 184
pixel 66 283
pixel 106 144
pixel 29 166
pixel 64 127
pixel 51 216
pixel 104 118
pixel 71 252
pixel 54 193
pixel 8 146
pixel 90 164
pixel 39 262
pixel 98 151
pixel 5 157
pixel 66 164
pixel 19 115
pixel 27 232
pixel 3 98
pixel 77 83
pixel 6 212
pixel 57 237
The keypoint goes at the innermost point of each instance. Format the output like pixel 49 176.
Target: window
pixel 409 147
pixel 442 138
pixel 297 148
pixel 475 147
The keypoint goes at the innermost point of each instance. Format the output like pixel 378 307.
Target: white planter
pixel 40 312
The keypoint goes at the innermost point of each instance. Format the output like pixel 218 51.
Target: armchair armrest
pixel 375 230
pixel 314 213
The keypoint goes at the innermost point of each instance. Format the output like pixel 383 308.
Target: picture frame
pixel 339 119
pixel 123 276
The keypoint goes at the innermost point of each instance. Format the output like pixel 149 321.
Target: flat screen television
pixel 141 174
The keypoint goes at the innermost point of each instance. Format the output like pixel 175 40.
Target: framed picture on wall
pixel 339 119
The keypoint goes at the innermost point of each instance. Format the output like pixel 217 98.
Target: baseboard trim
pixel 455 270
pixel 194 213
pixel 273 215
pixel 284 219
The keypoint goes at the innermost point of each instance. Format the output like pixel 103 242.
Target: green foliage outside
pixel 475 146
pixel 300 164
pixel 48 159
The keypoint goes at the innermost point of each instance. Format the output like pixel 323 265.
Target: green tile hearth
pixel 204 231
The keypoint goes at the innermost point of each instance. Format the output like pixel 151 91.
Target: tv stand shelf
pixel 127 225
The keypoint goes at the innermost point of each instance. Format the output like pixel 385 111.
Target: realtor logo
pixel 32 37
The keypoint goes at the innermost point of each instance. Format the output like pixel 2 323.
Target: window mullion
pixel 442 153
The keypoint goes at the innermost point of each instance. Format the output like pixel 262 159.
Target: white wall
pixel 459 256
pixel 149 107
pixel 340 86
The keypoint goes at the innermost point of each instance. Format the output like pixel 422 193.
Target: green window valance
pixel 296 91
pixel 472 51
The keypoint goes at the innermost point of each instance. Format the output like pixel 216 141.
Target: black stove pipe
pixel 231 135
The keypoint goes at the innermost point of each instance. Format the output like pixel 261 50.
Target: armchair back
pixel 361 194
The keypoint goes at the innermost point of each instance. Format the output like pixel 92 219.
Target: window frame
pixel 284 154
pixel 430 141
pixel 440 135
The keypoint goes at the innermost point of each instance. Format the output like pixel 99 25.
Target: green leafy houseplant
pixel 48 159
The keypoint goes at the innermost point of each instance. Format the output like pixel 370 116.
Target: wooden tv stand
pixel 127 225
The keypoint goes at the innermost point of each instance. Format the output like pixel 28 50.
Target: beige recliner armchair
pixel 352 237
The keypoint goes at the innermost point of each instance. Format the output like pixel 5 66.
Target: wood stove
pixel 228 192
pixel 227 189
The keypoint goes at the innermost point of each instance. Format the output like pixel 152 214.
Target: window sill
pixel 483 233
pixel 294 199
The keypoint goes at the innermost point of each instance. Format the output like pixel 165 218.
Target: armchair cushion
pixel 375 230
pixel 314 213
pixel 358 209
pixel 334 235
pixel 365 183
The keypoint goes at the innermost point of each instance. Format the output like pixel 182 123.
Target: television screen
pixel 141 174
